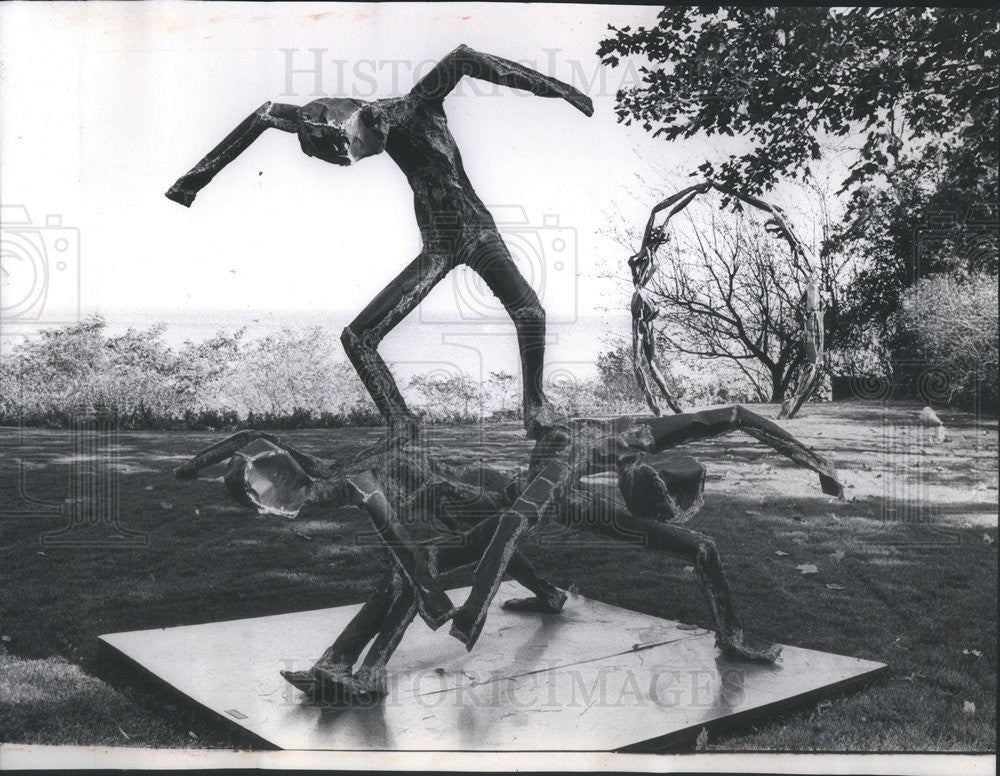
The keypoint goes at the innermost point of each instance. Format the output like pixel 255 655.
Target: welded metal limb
pixel 267 116
pixel 813 346
pixel 464 61
pixel 591 512
pixel 224 450
pixel 643 267
pixel 384 618
pixel 544 491
pixel 365 491
pixel 667 432
pixel 644 353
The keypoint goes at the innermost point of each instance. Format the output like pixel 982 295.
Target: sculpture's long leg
pixel 452 556
pixel 224 450
pixel 267 116
pixel 666 432
pixel 365 491
pixel 638 359
pixel 386 310
pixel 812 336
pixel 644 355
pixel 590 512
pixel 661 383
pixel 391 609
pixel 489 258
pixel 337 662
pixel 370 677
pixel 545 488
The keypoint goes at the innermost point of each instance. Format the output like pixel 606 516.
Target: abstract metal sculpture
pixel 455 226
pixel 479 517
pixel 643 266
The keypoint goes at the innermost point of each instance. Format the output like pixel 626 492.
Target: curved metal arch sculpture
pixel 643 266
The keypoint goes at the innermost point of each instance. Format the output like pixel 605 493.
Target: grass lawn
pixel 907 572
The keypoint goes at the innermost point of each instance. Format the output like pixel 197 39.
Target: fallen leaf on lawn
pixel 149 487
pixel 807 568
pixel 781 553
pixel 973 652
pixel 987 538
pixel 166 505
pixel 689 569
pixel 834 586
pixel 5 638
pixel 837 555
pixel 753 513
pixel 969 707
pixel 301 535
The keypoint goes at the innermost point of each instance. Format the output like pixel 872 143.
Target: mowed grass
pixel 919 596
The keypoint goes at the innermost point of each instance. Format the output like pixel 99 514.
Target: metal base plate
pixel 593 678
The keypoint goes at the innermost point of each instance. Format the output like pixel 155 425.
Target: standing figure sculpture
pixel 455 226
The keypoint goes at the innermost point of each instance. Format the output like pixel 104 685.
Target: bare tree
pixel 731 292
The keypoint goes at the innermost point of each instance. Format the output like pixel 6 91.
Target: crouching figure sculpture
pixel 480 515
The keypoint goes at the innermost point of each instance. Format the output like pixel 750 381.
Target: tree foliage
pixel 951 323
pixel 915 89
pixel 786 77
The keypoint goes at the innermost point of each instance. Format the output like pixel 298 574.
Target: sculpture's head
pixel 268 479
pixel 342 130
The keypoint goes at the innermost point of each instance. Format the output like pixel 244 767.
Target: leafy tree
pixel 917 87
pixel 951 322
pixel 786 77
pixel 455 397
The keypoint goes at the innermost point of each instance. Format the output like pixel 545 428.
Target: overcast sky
pixel 105 104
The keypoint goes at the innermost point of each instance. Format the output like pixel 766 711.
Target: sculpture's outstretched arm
pixel 670 431
pixel 465 61
pixel 267 116
pixel 224 450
